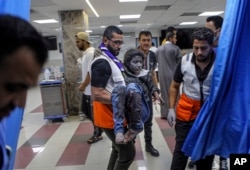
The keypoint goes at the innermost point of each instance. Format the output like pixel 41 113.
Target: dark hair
pixel 171 29
pixel 108 32
pixel 130 54
pixel 17 32
pixel 146 33
pixel 203 34
pixel 217 20
pixel 169 35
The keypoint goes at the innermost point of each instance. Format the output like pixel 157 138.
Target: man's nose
pixel 199 51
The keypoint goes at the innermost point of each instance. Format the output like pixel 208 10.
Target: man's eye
pixel 16 88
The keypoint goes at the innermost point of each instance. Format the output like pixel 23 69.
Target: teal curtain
pixel 11 126
pixel 223 124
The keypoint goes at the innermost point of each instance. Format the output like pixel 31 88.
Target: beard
pixel 202 58
pixel 114 52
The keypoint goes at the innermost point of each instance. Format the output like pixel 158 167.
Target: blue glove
pixel 171 117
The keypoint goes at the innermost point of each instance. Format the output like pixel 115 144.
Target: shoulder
pixel 151 54
pixel 100 62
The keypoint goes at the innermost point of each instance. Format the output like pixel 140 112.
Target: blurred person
pixel 83 44
pixel 215 24
pixel 168 56
pixel 195 73
pixel 169 29
pixel 22 56
pixel 153 47
pixel 106 74
pixel 149 63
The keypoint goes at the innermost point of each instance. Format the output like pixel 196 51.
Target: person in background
pixel 153 47
pixel 83 44
pixel 130 103
pixel 149 63
pixel 22 56
pixel 195 73
pixel 106 73
pixel 168 56
pixel 169 29
pixel 215 23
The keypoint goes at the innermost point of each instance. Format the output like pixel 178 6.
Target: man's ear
pixel 105 40
pixel 219 30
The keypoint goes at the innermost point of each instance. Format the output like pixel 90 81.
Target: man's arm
pixel 100 74
pixel 101 95
pixel 85 83
pixel 173 93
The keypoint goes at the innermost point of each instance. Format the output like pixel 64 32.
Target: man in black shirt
pixel 106 73
pixel 195 73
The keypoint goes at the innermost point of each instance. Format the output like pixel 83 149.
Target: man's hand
pixel 171 117
pixel 81 88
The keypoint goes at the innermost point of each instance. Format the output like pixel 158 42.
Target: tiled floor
pixel 63 146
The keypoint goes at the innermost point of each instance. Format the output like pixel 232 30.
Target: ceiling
pixel 155 14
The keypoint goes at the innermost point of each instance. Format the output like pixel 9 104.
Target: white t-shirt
pixel 87 58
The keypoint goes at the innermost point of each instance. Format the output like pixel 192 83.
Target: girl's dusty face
pixel 135 65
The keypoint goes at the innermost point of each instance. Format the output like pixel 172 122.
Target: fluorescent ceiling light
pixel 211 13
pixel 188 23
pixel 119 25
pixel 88 31
pixel 133 0
pixel 130 16
pixel 103 26
pixel 58 29
pixel 92 8
pixel 45 21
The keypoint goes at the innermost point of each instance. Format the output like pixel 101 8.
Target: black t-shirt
pixel 100 73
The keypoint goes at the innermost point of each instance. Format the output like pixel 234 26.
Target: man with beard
pixel 195 73
pixel 22 56
pixel 83 44
pixel 106 73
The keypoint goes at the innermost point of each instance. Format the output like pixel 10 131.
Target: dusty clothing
pixel 135 99
pixel 168 56
pixel 129 105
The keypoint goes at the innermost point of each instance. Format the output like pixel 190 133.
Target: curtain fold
pixel 223 124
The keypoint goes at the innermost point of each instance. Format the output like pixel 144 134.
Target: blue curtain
pixel 11 125
pixel 223 124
